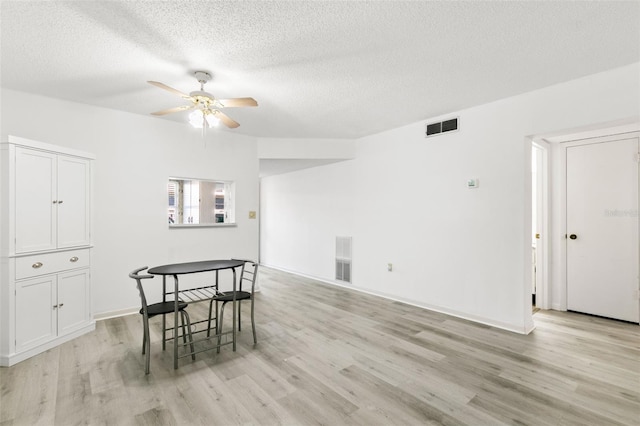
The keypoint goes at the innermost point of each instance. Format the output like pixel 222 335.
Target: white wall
pixel 301 215
pixel 460 251
pixel 135 156
pixel 296 148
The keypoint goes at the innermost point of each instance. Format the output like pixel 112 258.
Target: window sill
pixel 203 225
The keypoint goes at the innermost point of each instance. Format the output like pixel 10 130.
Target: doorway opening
pixel 550 274
pixel 539 224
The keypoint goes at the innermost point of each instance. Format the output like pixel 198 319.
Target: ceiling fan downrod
pixel 203 77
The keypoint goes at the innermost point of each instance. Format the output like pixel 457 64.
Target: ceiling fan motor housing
pixel 202 76
pixel 201 94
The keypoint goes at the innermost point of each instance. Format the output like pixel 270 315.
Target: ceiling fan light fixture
pixel 203 118
pixel 212 120
pixel 205 107
pixel 196 119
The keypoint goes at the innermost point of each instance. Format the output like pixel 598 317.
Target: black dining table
pixel 177 269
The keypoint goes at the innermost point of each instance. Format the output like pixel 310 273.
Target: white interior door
pixel 602 228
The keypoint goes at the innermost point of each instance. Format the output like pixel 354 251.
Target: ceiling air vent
pixel 434 129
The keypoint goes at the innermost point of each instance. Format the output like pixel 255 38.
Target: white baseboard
pixel 486 321
pixel 12 359
pixel 114 314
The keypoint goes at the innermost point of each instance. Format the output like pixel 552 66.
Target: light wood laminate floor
pixel 330 356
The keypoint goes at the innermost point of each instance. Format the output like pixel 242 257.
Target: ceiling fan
pixel 206 107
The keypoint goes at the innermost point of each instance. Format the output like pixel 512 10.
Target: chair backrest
pixel 136 276
pixel 248 274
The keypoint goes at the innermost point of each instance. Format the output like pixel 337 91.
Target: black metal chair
pixel 150 311
pixel 248 274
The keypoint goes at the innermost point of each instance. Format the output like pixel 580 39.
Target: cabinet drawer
pixel 49 263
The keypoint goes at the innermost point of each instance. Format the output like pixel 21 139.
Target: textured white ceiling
pixel 318 69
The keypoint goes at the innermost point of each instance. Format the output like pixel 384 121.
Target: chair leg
pixel 146 348
pixel 144 335
pixel 185 315
pixel 239 311
pixel 253 324
pixel 219 330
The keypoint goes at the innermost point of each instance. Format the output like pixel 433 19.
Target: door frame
pixel 555 286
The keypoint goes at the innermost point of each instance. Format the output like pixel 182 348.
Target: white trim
pixel 527 250
pixel 115 314
pixel 202 225
pixel 42 146
pixel 60 250
pixel 599 139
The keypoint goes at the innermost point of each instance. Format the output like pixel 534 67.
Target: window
pixel 200 202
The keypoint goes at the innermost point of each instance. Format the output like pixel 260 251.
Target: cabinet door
pixel 74 303
pixel 73 201
pixel 35 192
pixel 35 312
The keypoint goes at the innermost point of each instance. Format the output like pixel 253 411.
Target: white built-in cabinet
pixel 52 200
pixel 46 247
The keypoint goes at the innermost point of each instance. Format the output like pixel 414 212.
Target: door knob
pixel 573 236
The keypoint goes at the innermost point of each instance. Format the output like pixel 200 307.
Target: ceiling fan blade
pixel 175 109
pixel 170 89
pixel 237 102
pixel 226 120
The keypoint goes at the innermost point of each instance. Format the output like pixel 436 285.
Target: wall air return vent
pixel 434 129
pixel 343 259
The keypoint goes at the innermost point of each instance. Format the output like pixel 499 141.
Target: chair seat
pixel 163 308
pixel 227 296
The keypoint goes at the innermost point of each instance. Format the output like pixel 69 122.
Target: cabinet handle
pixel 37 265
pixel 61 305
pixel 55 306
pixel 59 201
pixel 73 259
